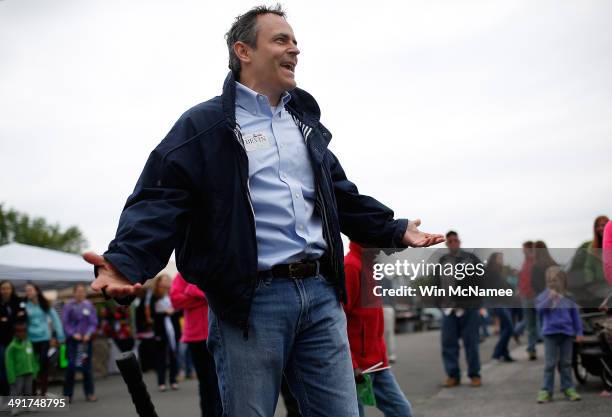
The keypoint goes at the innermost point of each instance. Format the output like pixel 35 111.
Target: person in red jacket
pixel 192 301
pixel 365 327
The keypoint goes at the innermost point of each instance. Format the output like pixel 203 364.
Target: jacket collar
pixel 302 104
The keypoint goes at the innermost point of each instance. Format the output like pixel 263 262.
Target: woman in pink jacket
pixel 192 301
pixel 607 266
pixel 607 252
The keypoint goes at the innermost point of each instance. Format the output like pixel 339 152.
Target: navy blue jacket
pixel 193 197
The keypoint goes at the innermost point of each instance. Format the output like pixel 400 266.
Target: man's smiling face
pixel 273 61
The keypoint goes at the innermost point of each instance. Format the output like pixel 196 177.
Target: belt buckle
pixel 293 268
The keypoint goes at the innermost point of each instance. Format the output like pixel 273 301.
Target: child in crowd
pixel 560 324
pixel 21 364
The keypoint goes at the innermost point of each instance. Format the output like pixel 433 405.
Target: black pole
pixel 130 371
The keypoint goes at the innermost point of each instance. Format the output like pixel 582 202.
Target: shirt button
pixel 297 195
pixel 300 227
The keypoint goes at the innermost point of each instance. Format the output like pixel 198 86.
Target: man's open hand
pixel 109 279
pixel 417 239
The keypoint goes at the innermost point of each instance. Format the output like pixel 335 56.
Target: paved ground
pixel 509 389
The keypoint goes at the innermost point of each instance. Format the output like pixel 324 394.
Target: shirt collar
pixel 256 103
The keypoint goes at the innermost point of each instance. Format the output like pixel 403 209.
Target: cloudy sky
pixel 493 118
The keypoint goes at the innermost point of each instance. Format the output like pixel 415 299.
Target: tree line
pixel 20 227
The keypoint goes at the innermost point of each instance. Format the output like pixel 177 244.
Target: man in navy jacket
pixel 247 193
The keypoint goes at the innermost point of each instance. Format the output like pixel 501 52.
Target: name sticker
pixel 255 141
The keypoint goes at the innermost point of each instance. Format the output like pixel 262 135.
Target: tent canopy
pixel 49 268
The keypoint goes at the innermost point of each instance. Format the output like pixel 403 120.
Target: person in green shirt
pixel 593 267
pixel 21 364
pixel 40 313
pixel 586 262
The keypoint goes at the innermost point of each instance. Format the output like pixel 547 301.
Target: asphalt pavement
pixel 509 389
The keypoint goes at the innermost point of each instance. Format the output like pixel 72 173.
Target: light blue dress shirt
pixel 281 181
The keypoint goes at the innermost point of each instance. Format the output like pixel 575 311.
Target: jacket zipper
pixel 307 130
pixel 238 137
pixel 326 224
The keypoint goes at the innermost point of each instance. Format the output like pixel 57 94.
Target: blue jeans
pixel 4 385
pixel 532 322
pixel 85 368
pixel 389 397
pixel 484 326
pixel 558 350
pixel 506 330
pixel 185 361
pixel 464 327
pixel 297 326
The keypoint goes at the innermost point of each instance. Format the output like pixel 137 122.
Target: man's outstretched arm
pixel 147 229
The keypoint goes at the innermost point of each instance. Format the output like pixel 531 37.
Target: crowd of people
pixel 168 326
pixel 548 312
pixel 31 330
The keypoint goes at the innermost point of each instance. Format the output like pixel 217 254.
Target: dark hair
pixel 20 322
pixel 244 29
pixel 42 300
pixel 492 265
pixel 597 240
pixel 14 298
pixel 451 233
pixel 542 255
pixel 528 244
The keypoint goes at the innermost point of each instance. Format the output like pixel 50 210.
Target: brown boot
pixel 450 382
pixel 476 382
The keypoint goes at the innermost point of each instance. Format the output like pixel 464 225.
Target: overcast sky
pixel 491 118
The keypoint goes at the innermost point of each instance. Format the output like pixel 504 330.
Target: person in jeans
pixel 561 323
pixel 192 301
pixel 495 279
pixel 365 326
pixel 460 320
pixel 80 323
pixel 40 313
pixel 246 190
pixel 167 333
pixel 527 294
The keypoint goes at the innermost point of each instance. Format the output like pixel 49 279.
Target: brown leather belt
pixel 295 270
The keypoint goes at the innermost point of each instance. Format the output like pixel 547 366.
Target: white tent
pixel 48 268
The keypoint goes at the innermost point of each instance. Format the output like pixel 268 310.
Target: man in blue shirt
pixel 247 193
